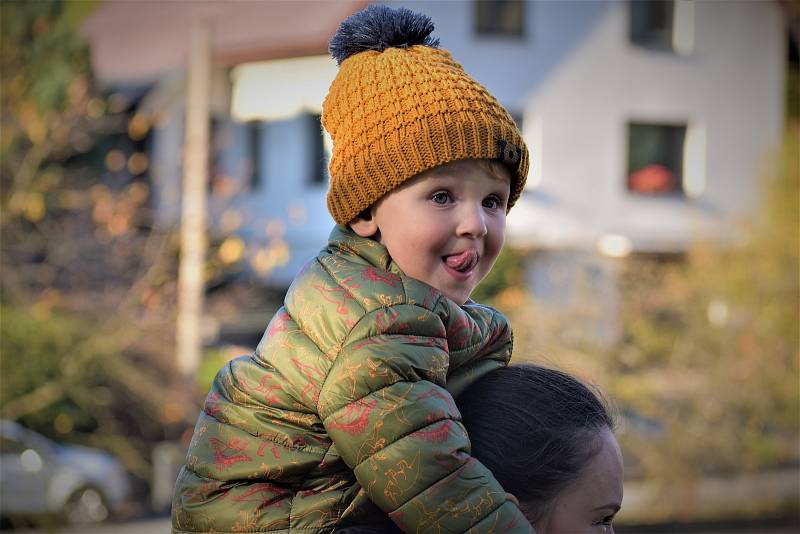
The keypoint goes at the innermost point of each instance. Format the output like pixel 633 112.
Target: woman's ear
pixel 364 227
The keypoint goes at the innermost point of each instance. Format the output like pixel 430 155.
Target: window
pixel 651 23
pixel 663 25
pixel 655 158
pixel 217 143
pixel 254 132
pixel 235 156
pixel 503 18
pixel 319 155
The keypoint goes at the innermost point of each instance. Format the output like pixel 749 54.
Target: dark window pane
pixel 319 164
pixel 500 17
pixel 651 23
pixel 255 153
pixel 216 146
pixel 655 158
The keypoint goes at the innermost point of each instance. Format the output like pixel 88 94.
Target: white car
pixel 39 477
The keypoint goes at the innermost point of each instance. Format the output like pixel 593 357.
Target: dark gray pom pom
pixel 379 27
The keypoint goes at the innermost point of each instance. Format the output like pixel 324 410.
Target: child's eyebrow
pixel 439 176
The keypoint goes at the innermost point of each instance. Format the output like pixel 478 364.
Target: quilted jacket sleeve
pixel 385 406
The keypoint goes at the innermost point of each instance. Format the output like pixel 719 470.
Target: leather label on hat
pixel 510 154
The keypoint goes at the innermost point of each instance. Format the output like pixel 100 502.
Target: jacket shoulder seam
pixel 336 281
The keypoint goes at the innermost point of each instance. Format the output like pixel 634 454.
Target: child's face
pixel 445 226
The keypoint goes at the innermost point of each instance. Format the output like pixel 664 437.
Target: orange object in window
pixel 653 178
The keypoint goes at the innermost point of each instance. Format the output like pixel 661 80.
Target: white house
pixel 648 123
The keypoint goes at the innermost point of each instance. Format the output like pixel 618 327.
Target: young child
pixel 348 398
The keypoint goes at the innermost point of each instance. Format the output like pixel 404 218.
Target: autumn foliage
pixel 87 317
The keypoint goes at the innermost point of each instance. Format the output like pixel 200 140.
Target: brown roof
pixel 136 42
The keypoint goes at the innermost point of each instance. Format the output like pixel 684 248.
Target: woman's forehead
pixel 601 479
pixel 593 496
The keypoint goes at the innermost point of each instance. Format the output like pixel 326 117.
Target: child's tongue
pixel 462 261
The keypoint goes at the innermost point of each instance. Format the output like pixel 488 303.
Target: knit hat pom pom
pixel 379 27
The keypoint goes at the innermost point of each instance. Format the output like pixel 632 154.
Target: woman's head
pixel 549 440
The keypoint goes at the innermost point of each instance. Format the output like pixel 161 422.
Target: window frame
pixel 679 190
pixel 482 32
pixel 648 37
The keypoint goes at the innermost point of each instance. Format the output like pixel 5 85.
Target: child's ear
pixel 364 225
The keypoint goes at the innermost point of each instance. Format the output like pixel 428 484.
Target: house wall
pixel 576 80
pixel 284 221
pixel 286 207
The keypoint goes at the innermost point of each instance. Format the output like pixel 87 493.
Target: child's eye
pixel 441 197
pixel 492 202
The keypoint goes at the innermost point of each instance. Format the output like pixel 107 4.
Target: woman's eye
pixel 441 197
pixel 605 521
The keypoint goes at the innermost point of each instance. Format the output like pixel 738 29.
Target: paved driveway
pixel 147 526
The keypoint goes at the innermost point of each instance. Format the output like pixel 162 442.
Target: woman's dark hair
pixel 535 429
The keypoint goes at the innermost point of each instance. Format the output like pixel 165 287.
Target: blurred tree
pixel 86 324
pixel 506 273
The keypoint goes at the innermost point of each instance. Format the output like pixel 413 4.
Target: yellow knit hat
pixel 399 106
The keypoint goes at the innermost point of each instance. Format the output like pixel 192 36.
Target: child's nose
pixel 473 222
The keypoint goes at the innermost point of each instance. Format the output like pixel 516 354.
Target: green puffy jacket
pixel 349 398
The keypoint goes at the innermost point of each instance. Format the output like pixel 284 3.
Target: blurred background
pixel 163 179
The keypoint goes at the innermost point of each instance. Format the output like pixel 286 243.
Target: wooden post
pixel 193 207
